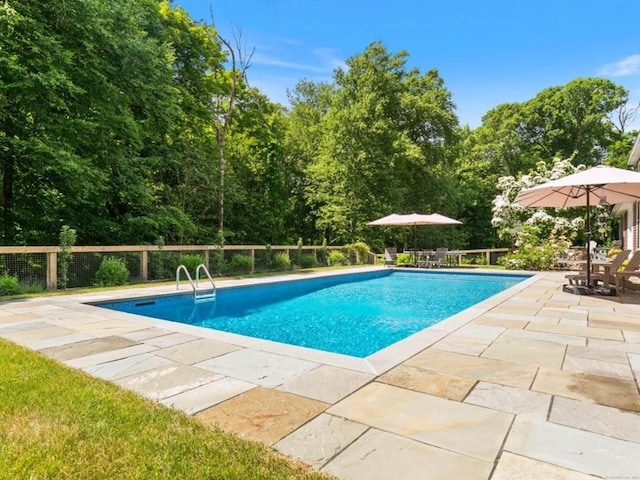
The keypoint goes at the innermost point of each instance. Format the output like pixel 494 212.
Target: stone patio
pixel 532 383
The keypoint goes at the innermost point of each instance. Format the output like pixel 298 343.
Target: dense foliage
pixel 115 119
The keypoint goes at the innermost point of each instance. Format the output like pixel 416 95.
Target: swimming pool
pixel 352 314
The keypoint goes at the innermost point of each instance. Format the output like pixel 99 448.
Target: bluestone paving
pixel 574 449
pixel 597 367
pixel 170 340
pixel 469 366
pixel 196 351
pixel 263 414
pixel 516 467
pixel 263 368
pixel 84 348
pixel 167 380
pixel 460 344
pixel 590 388
pixel 518 401
pixel 207 395
pixel 379 455
pixel 326 383
pixel 426 381
pixel 320 440
pixel 532 383
pixel 466 429
pixel 126 367
pixel 109 356
pixel 608 421
pixel 526 351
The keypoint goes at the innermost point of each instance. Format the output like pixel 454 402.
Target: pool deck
pixel 532 383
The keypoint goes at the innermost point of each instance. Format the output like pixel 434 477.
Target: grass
pixel 56 422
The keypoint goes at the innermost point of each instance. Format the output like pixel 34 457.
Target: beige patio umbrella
pixel 596 185
pixel 414 219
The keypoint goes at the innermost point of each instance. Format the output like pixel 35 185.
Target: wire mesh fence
pixel 39 268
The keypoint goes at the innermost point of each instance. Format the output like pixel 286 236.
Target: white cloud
pixel 625 67
pixel 270 61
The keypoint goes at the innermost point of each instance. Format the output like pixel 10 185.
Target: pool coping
pixel 377 363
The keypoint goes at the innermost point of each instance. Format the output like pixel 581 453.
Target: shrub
pixel 403 259
pixel 241 262
pixel 337 258
pixel 307 261
pixel 323 253
pixel 9 285
pixel 112 272
pixel 67 240
pixel 191 262
pixel 281 261
pixel 357 252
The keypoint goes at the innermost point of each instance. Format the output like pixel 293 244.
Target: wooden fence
pixel 39 264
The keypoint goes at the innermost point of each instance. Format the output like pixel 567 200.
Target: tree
pixel 382 123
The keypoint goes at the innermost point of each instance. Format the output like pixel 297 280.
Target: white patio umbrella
pixel 597 185
pixel 414 219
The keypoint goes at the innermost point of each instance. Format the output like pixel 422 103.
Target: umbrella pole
pixel 588 234
pixel 415 246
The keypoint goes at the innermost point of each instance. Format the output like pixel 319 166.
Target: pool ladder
pixel 198 293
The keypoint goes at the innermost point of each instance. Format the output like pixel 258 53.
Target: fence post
pixel 144 265
pixel 52 271
pixel 487 256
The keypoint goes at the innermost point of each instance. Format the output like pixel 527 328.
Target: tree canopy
pixel 111 116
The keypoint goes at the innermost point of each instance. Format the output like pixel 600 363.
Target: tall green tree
pixel 383 123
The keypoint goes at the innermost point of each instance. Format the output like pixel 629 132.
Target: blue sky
pixel 488 52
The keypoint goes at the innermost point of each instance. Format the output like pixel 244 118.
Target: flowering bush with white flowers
pixel 538 233
pixel 510 218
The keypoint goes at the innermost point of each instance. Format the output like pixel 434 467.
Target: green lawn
pixel 56 422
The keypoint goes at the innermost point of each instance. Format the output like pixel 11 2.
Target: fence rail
pixel 39 265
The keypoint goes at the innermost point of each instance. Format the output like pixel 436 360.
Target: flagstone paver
pixel 109 356
pixel 465 429
pixel 381 455
pixel 170 340
pixel 603 352
pixel 591 388
pixel 196 351
pixel 57 341
pixel 597 367
pixel 548 337
pixel 25 337
pixel 577 331
pixel 167 380
pixel 460 344
pixel 511 400
pixel 263 414
pixel 574 449
pixel 326 383
pixel 320 440
pixel 500 322
pixel 515 467
pixel 125 367
pixel 478 368
pixel 527 351
pixel 209 394
pixel 591 417
pixel 87 347
pixel 425 381
pixel 262 368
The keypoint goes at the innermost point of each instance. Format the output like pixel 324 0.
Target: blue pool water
pixel 353 314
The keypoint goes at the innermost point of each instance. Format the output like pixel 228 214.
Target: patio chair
pixel 614 265
pixel 631 269
pixel 439 258
pixel 390 255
